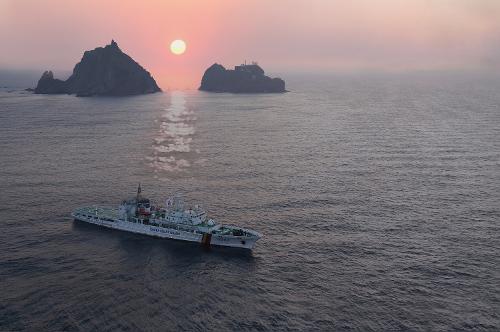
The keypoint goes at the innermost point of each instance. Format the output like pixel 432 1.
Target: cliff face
pixel 243 79
pixel 104 71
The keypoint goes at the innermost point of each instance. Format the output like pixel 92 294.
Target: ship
pixel 172 221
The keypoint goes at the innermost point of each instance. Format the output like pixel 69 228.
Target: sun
pixel 178 46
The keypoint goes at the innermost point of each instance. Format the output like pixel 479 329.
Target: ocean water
pixel 378 197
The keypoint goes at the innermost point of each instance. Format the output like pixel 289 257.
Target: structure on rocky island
pixel 243 79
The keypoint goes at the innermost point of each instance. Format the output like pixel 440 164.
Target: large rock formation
pixel 105 71
pixel 243 79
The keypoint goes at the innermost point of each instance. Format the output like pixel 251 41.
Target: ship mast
pixel 138 197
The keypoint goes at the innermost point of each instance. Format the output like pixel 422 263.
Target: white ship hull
pixel 169 233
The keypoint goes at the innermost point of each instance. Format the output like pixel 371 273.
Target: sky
pixel 282 35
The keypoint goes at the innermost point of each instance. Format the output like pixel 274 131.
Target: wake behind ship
pixel 173 221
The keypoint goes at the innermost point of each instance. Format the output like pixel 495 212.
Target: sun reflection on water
pixel 172 146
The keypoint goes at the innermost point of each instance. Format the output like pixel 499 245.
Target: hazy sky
pixel 283 35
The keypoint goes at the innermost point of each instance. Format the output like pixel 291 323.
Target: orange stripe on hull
pixel 206 239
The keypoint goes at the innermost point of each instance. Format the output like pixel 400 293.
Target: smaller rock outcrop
pixel 104 71
pixel 243 79
pixel 49 85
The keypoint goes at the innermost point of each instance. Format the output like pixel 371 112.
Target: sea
pixel 377 194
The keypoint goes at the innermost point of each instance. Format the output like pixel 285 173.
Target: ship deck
pixel 98 211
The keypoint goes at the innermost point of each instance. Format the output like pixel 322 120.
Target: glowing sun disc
pixel 178 47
